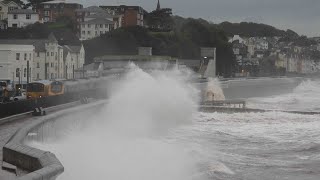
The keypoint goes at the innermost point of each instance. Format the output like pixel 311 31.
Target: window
pixel 38 65
pixel 101 32
pixel 38 76
pixel 25 56
pixel 25 72
pixel 101 25
pixel 52 53
pixel 83 25
pixel 38 54
pixel 17 56
pixel 0 8
pixel 83 32
pixel 30 56
pixel 48 54
pixel 96 32
pixel 106 26
pixel 111 27
pixel 28 16
pixel 17 72
pixel 89 26
pixel 88 32
pixel 52 76
pixel 46 13
pixel 51 64
pixel 15 16
pixel 12 8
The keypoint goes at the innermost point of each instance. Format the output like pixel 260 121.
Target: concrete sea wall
pixel 42 165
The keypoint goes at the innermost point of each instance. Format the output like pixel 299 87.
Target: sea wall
pixel 42 165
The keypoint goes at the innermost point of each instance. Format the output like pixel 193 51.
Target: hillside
pixel 248 29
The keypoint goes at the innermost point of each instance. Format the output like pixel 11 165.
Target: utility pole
pixel 46 71
pixel 72 71
pixel 28 73
pixel 19 77
pixel 12 79
pixel 66 71
pixel 83 71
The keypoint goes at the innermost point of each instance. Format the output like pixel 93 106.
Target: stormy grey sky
pixel 300 15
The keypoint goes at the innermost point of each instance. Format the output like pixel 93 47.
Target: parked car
pixel 20 95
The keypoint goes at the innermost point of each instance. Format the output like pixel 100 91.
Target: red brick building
pixel 130 15
pixel 51 10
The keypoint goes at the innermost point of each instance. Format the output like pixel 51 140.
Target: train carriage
pixel 44 88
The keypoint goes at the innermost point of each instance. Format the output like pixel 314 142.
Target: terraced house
pixel 47 59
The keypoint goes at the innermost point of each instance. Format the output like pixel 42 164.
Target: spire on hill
pixel 158 5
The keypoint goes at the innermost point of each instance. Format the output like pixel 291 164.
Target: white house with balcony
pixel 6 7
pixel 14 59
pixel 95 25
pixel 20 18
pixel 94 28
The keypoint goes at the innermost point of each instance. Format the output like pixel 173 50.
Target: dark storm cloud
pixel 300 15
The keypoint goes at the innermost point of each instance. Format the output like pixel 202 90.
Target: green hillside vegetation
pixel 248 29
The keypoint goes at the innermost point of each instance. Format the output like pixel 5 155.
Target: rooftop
pixel 98 21
pixel 91 9
pixel 102 14
pixel 59 2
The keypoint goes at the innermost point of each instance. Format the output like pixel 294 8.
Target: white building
pixel 14 59
pixel 48 61
pixel 96 27
pixel 95 22
pixel 261 44
pixel 3 25
pixel 19 18
pixel 6 7
pixel 74 57
pixel 237 38
pixel 47 58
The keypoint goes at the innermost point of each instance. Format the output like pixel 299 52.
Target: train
pixel 47 88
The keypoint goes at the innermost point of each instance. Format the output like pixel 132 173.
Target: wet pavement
pixel 7 130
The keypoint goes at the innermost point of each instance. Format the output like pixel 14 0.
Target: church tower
pixel 158 5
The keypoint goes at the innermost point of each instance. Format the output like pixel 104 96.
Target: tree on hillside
pixel 35 4
pixel 249 29
pixel 160 20
pixel 19 2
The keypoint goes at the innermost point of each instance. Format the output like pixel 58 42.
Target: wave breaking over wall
pixel 126 139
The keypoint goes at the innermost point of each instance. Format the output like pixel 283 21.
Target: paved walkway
pixel 6 131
